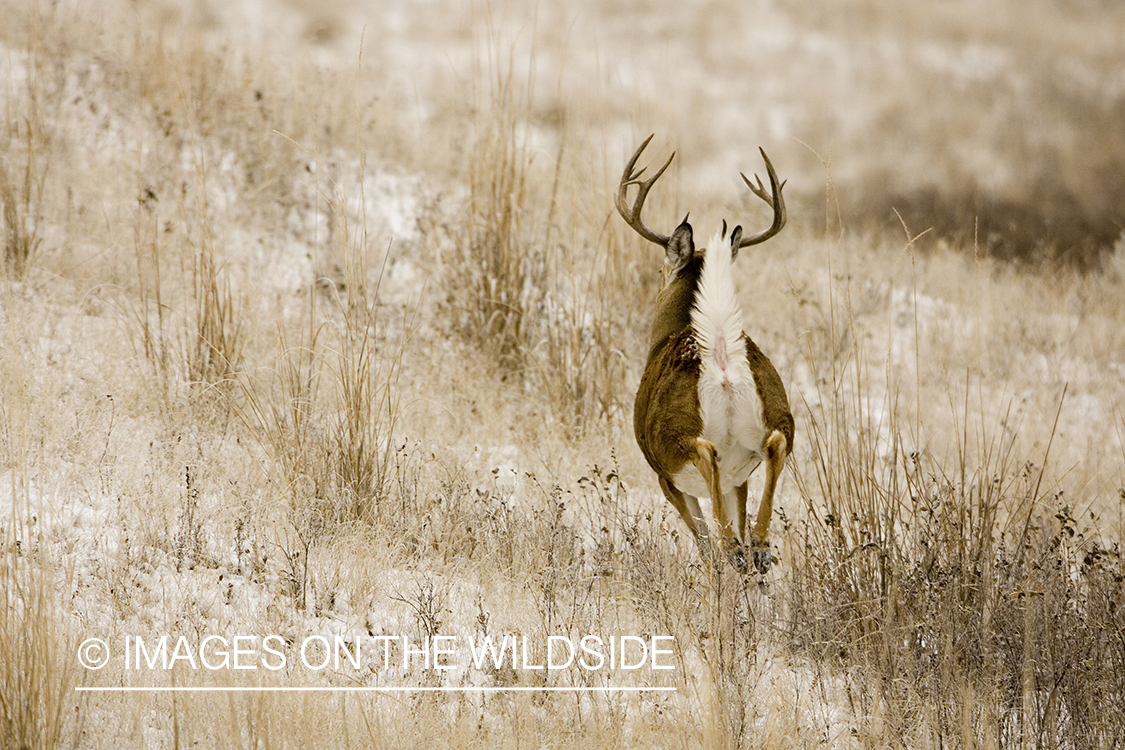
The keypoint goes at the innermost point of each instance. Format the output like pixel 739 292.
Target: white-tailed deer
pixel 710 406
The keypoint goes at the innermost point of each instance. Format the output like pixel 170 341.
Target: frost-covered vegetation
pixel 317 323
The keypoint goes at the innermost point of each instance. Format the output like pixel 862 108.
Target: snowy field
pixel 319 335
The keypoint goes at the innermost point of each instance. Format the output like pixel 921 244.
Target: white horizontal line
pixel 288 689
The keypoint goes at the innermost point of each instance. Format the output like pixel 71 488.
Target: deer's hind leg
pixel 707 462
pixel 777 449
pixel 689 510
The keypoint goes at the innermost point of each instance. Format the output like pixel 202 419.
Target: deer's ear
pixel 680 248
pixel 735 238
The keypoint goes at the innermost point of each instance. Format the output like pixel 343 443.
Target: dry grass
pixel 23 174
pixel 36 678
pixel 308 341
pixel 965 600
pixel 19 230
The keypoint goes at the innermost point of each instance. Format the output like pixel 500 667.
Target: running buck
pixel 710 406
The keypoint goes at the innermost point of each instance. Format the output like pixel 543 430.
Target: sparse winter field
pixel 319 335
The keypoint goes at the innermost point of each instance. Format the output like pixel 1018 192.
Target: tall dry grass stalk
pixel 532 272
pixel 19 228
pixel 25 161
pixel 188 325
pixel 216 341
pixel 489 264
pixel 37 674
pixel 579 357
pixel 37 707
pixel 328 412
pixel 366 366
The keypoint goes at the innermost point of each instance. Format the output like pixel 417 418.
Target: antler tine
pixel 774 199
pixel 632 216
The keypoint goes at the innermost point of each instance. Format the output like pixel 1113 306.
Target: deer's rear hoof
pixel 737 557
pixel 763 557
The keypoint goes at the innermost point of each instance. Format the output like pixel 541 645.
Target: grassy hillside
pixel 318 322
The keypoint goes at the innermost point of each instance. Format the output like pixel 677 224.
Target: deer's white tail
pixel 716 317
